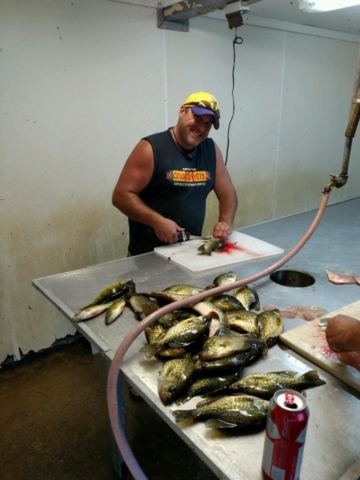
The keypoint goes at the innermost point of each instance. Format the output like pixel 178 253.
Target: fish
pixel 244 321
pixel 114 311
pixel 224 279
pixel 214 244
pixel 219 319
pixel 227 412
pixel 174 377
pixel 248 297
pixel 112 291
pixel 237 362
pixel 184 289
pixel 264 385
pixel 271 326
pixel 139 301
pixel 172 318
pixel 208 386
pixel 226 343
pixel 90 312
pixel 153 331
pixel 182 335
pixel 166 296
pixel 227 303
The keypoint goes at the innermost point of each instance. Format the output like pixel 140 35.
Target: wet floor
pixel 54 423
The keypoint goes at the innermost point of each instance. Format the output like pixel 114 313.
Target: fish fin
pixel 208 401
pixel 217 423
pixel 182 400
pixel 182 415
pixel 149 350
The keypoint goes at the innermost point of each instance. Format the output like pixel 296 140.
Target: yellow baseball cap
pixel 202 103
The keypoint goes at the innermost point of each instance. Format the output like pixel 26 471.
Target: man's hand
pixel 343 334
pixel 167 230
pixel 222 230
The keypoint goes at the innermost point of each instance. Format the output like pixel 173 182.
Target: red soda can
pixel 285 436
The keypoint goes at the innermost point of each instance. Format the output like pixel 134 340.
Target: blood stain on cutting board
pixel 230 247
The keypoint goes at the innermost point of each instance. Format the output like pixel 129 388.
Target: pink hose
pixel 112 399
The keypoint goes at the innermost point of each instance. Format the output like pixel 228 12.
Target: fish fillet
pixel 338 278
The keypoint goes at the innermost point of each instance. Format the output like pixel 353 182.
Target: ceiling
pixel 346 20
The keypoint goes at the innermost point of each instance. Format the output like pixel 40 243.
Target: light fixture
pixel 325 5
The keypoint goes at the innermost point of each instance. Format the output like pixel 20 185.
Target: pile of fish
pixel 205 349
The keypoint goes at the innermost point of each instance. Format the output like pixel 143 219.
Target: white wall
pixel 82 81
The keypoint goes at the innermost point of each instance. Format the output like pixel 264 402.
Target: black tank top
pixel 177 190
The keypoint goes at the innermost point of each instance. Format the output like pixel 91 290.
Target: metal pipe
pixel 339 181
pixel 112 400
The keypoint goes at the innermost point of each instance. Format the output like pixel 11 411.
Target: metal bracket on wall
pixel 179 25
pixel 176 16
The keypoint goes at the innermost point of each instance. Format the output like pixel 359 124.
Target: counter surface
pixel 333 432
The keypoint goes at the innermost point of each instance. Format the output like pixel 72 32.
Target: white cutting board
pixel 309 341
pixel 238 248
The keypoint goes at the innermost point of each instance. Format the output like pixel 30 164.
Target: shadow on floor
pixel 54 424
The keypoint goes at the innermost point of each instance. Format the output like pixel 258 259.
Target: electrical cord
pixel 237 41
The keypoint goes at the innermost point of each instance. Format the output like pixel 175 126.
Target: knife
pixel 185 236
pixel 323 323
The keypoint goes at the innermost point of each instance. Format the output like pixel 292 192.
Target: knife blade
pixel 185 236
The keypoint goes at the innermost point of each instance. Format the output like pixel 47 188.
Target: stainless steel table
pixel 333 436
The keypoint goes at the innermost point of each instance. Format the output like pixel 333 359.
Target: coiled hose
pixel 112 399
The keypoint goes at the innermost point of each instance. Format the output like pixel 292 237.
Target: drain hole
pixel 292 278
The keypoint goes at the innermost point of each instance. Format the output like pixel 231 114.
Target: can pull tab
pixel 290 400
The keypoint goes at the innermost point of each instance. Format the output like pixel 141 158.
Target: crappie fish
pixel 208 386
pixel 224 279
pixel 271 326
pixel 90 312
pixel 184 289
pixel 166 296
pixel 236 362
pixel 264 385
pixel 113 291
pixel 248 297
pixel 174 377
pixel 244 321
pixel 153 331
pixel 172 318
pixel 227 412
pixel 218 316
pixel 227 303
pixel 139 301
pixel 114 311
pixel 182 335
pixel 226 343
pixel 214 244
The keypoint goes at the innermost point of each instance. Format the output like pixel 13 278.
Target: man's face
pixel 193 129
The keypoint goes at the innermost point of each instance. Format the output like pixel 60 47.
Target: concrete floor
pixel 54 423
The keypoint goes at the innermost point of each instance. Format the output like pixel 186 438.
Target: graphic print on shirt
pixel 188 177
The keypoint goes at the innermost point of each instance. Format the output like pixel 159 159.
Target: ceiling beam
pixel 177 15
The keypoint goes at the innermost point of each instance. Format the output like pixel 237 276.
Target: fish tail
pixel 149 350
pixel 182 415
pixel 313 378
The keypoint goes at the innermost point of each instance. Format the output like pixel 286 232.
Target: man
pixel 166 179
